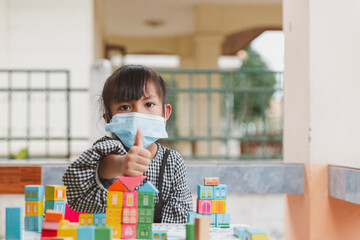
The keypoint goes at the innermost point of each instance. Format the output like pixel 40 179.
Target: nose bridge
pixel 137 107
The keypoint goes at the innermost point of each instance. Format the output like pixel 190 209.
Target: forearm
pixel 111 166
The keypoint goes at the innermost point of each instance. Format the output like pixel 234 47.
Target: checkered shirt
pixel 87 192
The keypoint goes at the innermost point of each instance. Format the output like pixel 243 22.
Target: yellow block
pixel 69 230
pixel 260 237
pixel 114 199
pixel 116 230
pixel 219 206
pixel 113 216
pixel 34 208
pixel 55 192
pixel 86 219
pixel 63 223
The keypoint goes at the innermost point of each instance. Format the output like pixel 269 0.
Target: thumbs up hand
pixel 138 158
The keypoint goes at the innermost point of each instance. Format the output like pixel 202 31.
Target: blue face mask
pixel 125 126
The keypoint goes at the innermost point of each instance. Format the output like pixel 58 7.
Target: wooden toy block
pixel 34 208
pixel 69 230
pixel 103 232
pixel 53 215
pixel 211 181
pixel 145 215
pixel 86 219
pixel 131 182
pixel 55 192
pixel 113 215
pixel 99 219
pixel 117 186
pixel 55 205
pixel 48 233
pixel 114 199
pixel 33 223
pixel 146 200
pixel 34 193
pixel 86 232
pixel 212 219
pixel 130 199
pixel 191 217
pixel 219 206
pixel 64 222
pixel 204 206
pixel 220 191
pixel 47 225
pixel 144 231
pixel 223 220
pixel 202 228
pixel 148 187
pixel 159 234
pixel 71 215
pixel 128 231
pixel 116 230
pixel 13 223
pixel 190 231
pixel 129 215
pixel 205 192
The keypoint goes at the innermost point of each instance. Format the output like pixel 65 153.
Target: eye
pixel 124 107
pixel 149 104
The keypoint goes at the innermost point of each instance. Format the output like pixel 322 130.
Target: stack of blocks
pixel 34 195
pixel 211 201
pixel 51 224
pixel 55 197
pixel 131 213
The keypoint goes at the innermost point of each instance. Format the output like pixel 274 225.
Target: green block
pixel 144 231
pixel 190 231
pixel 103 232
pixel 145 215
pixel 146 200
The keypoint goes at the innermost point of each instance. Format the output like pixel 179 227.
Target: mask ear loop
pixel 165 114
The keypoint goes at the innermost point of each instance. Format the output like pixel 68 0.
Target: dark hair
pixel 128 83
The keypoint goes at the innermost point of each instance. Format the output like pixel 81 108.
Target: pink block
pixel 71 215
pixel 131 182
pixel 50 225
pixel 130 199
pixel 129 215
pixel 128 231
pixel 204 205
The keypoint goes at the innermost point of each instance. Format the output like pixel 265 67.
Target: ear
pixel 106 117
pixel 168 110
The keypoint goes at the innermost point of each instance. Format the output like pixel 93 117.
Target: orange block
pixel 211 181
pixel 53 215
pixel 219 206
pixel 118 186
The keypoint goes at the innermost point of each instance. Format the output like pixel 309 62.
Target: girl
pixel 135 110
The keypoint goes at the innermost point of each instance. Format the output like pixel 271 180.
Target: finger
pixel 139 138
pixel 139 151
pixel 132 173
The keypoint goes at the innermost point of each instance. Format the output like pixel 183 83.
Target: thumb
pixel 139 138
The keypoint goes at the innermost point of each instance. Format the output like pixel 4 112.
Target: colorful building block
pixel 99 219
pixel 204 205
pixel 190 231
pixel 69 230
pixel 205 192
pixel 145 215
pixel 202 228
pixel 223 220
pixel 33 223
pixel 34 208
pixel 144 231
pixel 117 186
pixel 47 234
pixel 71 215
pixel 130 199
pixel 64 222
pixel 220 191
pixel 240 232
pixel 114 199
pixel 47 225
pixel 128 231
pixel 129 215
pixel 113 215
pixel 148 187
pixel 191 217
pixel 55 192
pixel 131 182
pixel 146 200
pixel 104 232
pixel 55 205
pixel 53 215
pixel 219 206
pixel 116 230
pixel 211 181
pixel 159 234
pixel 13 223
pixel 86 219
pixel 34 193
pixel 86 232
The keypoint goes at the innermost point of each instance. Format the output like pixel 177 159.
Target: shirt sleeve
pixel 85 192
pixel 179 202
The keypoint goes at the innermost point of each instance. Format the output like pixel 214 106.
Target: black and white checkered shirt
pixel 87 192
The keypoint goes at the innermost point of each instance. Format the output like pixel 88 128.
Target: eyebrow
pixel 148 97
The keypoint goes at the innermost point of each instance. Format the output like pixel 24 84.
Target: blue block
pixel 239 231
pixel 86 232
pixel 223 220
pixel 191 217
pixel 159 234
pixel 205 192
pixel 13 223
pixel 34 193
pixel 33 223
pixel 220 191
pixel 55 205
pixel 99 219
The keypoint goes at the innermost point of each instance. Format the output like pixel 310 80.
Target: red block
pixel 48 233
pixel 71 215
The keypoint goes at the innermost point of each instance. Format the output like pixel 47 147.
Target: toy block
pixel 53 215
pixel 34 208
pixel 113 215
pixel 191 217
pixel 204 206
pixel 117 186
pixel 114 199
pixel 211 181
pixel 220 191
pixel 116 228
pixel 86 219
pixel 239 231
pixel 130 199
pixel 131 182
pixel 104 232
pixel 159 234
pixel 48 233
pixel 69 230
pixel 205 192
pixel 55 192
pixel 86 232
pixel 128 231
pixel 71 215
pixel 148 187
pixel 190 231
pixel 257 234
pixel 145 215
pixel 99 219
pixel 55 205
pixel 202 228
pixel 34 193
pixel 146 200
pixel 47 225
pixel 63 223
pixel 219 206
pixel 212 219
pixel 144 231
pixel 129 215
pixel 33 223
pixel 223 220
pixel 13 223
